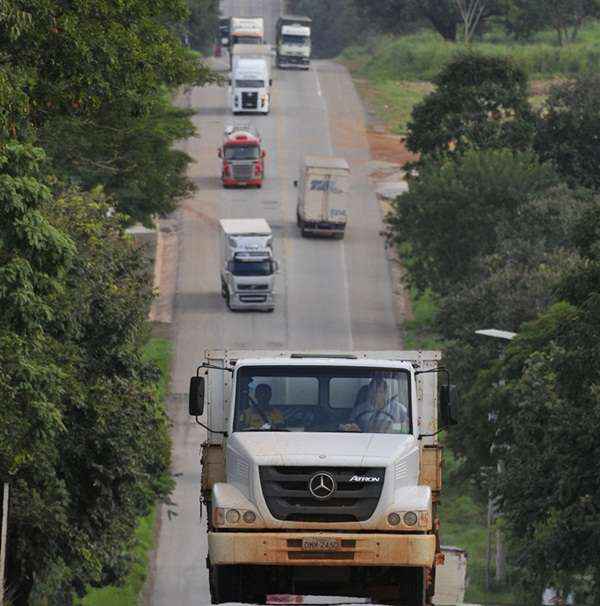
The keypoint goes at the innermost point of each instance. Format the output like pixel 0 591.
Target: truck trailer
pixel 321 472
pixel 247 264
pixel 323 190
pixel 246 30
pixel 293 41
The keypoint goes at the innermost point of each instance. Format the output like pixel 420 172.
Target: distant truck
pixel 250 51
pixel 250 85
pixel 322 473
pixel 293 41
pixel 247 264
pixel 323 190
pixel 242 157
pixel 246 30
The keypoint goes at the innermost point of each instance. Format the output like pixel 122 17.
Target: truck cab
pixel 293 41
pixel 251 86
pixel 242 157
pixel 321 473
pixel 248 266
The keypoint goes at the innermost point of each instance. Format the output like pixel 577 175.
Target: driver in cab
pixel 260 414
pixel 374 412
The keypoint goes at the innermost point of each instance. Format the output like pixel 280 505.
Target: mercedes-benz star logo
pixel 322 486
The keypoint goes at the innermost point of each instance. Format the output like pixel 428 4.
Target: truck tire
pixel 225 584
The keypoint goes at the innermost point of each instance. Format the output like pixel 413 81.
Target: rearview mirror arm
pixel 223 433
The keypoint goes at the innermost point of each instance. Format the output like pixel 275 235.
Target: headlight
pixel 249 517
pixel 393 519
pixel 232 516
pixel 410 518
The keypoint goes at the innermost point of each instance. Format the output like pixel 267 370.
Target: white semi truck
pixel 293 41
pixel 247 264
pixel 250 85
pixel 250 51
pixel 323 190
pixel 321 473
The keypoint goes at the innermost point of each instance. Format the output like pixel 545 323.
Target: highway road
pixel 330 294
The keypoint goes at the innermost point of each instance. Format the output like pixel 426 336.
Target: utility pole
pixel 3 532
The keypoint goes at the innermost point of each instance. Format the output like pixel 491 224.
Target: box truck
pixel 323 190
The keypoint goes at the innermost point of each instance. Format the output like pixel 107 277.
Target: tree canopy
pixel 480 103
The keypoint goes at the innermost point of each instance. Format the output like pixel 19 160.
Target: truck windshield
pixel 292 39
pixel 242 152
pixel 251 268
pixel 247 40
pixel 250 83
pixel 323 399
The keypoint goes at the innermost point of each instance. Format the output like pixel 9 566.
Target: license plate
pixel 321 544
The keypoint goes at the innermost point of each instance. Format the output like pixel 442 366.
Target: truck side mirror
pixel 229 81
pixel 270 81
pixel 196 403
pixel 263 154
pixel 449 405
pixel 220 153
pixel 296 183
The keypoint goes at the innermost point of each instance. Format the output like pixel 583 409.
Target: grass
pixel 393 74
pixel 419 57
pixel 157 351
pixel 419 332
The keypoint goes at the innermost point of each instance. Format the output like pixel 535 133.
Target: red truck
pixel 243 159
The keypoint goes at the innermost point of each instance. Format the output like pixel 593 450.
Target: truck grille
pixel 249 100
pixel 253 286
pixel 243 171
pixel 287 494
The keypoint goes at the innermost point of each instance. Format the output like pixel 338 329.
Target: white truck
pixel 323 190
pixel 321 473
pixel 250 85
pixel 247 264
pixel 246 30
pixel 293 41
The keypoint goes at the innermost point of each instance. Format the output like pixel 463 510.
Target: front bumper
pixel 293 60
pixel 229 182
pixel 252 300
pixel 324 229
pixel 285 549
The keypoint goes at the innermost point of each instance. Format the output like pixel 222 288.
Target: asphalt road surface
pixel 330 294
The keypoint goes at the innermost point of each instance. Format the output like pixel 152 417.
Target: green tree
pixel 480 103
pixel 565 17
pixel 202 23
pixel 132 157
pixel 569 131
pixel 447 222
pixel 83 438
pixel 98 76
pixel 336 24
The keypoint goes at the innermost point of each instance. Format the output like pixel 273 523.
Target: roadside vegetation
pixel 87 128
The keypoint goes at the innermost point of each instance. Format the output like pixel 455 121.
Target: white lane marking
pixel 319 91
